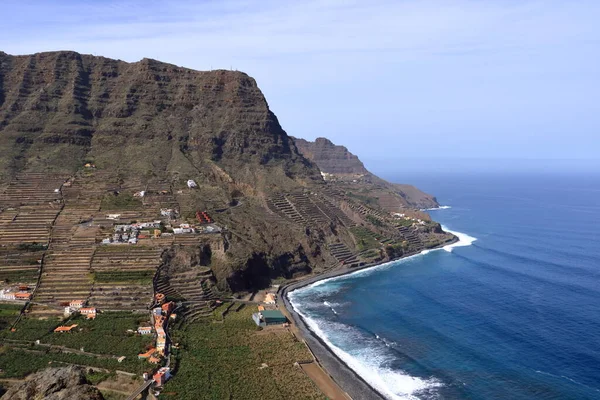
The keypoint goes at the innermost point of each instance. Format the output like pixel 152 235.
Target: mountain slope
pixel 340 165
pixel 134 118
pixel 80 135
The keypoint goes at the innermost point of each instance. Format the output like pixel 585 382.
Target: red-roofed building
pixel 162 375
pixel 89 312
pixel 63 329
pixel 147 354
pixel 167 307
pixel 22 296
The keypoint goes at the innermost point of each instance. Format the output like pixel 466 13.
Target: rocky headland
pixel 111 128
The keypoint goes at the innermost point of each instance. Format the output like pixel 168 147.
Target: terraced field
pixel 123 277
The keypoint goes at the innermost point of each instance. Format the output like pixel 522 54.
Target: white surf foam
pixel 368 362
pixel 390 383
pixel 436 208
pixel 330 306
pixel 463 240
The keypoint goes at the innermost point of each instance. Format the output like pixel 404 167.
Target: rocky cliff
pixel 60 109
pixel 340 165
pixel 110 129
pixel 55 384
pixel 331 158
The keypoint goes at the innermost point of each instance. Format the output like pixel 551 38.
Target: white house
pixel 144 330
pixel 77 304
pixel 191 184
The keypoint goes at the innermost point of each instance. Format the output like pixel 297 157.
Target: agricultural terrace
pixel 103 340
pixel 233 359
pixel 8 314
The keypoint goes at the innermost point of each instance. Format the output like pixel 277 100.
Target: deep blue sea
pixel 513 312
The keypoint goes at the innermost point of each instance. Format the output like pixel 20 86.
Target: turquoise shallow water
pixel 514 314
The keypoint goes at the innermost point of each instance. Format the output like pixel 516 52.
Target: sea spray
pixel 368 360
pixel 463 239
pixel 436 208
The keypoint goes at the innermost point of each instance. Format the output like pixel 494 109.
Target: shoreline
pixel 348 380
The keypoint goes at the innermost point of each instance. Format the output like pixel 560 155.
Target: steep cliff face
pixel 60 109
pixel 343 166
pixel 331 158
pixel 152 126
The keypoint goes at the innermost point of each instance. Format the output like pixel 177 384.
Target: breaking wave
pixel 330 306
pixel 369 359
pixel 463 240
pixel 436 208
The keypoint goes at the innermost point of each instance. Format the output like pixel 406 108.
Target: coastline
pixel 349 381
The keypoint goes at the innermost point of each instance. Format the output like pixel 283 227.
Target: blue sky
pixel 392 80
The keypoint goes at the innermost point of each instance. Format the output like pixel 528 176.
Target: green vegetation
pixel 370 254
pixel 107 334
pixel 122 201
pixel 225 361
pixel 370 201
pixel 219 311
pixel 95 377
pixel 133 277
pixel 374 220
pixel 404 222
pixel 8 314
pixel 31 329
pixel 24 275
pixel 395 250
pixel 17 362
pixel 365 239
pixel 32 246
pixel 105 337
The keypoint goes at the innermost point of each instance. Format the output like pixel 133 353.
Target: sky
pixel 401 83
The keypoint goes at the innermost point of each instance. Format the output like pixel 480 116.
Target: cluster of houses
pixel 78 306
pixel 406 217
pixel 268 314
pixel 160 316
pixel 19 293
pixel 130 233
pixel 170 213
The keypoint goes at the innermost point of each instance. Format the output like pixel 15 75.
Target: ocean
pixel 512 311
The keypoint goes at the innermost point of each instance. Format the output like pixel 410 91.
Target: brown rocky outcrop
pixel 337 161
pixel 331 158
pixel 152 124
pixel 58 109
pixel 55 384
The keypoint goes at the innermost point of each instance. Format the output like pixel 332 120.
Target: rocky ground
pixel 67 383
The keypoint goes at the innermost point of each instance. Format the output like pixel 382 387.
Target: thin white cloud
pixel 343 67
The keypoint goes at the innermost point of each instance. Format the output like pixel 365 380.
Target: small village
pixel 84 257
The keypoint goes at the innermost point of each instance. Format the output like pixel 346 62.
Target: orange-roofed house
pixel 159 322
pixel 167 307
pixel 147 354
pixel 162 375
pixel 160 298
pixel 270 298
pixel 22 296
pixel 63 329
pixel 154 360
